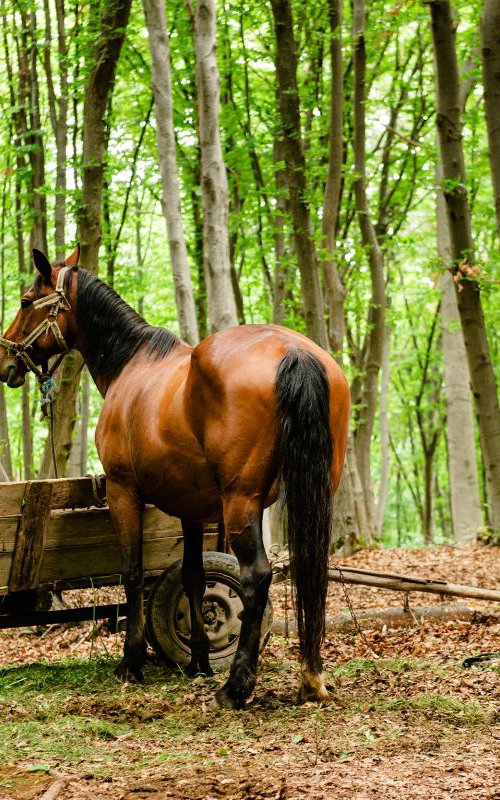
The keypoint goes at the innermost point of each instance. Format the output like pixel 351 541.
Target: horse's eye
pixel 25 303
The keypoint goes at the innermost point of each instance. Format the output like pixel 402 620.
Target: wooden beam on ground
pixel 408 583
pixel 392 618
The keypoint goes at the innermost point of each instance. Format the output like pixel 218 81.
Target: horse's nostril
pixel 14 377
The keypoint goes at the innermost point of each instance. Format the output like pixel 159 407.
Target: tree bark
pixel 220 295
pixel 490 29
pixel 286 71
pixel 334 289
pixel 58 109
pixel 376 319
pixel 98 89
pixel 279 284
pixel 465 274
pixel 466 516
pixel 159 49
pixel 383 489
pixel 65 414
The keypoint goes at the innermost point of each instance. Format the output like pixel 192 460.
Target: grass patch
pixel 446 708
pixel 75 713
pixel 367 666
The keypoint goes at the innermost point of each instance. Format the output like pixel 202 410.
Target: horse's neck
pixel 109 333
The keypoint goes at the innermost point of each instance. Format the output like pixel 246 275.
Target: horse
pixel 212 433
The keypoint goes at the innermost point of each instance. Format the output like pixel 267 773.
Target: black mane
pixel 113 331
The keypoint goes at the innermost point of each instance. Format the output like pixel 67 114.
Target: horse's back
pixel 231 396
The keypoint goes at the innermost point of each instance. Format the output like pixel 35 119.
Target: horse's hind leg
pixel 126 515
pixel 193 580
pixel 243 523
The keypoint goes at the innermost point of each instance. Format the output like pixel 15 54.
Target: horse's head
pixel 41 327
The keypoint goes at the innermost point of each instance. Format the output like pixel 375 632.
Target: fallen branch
pixel 403 583
pixel 392 618
pixel 55 789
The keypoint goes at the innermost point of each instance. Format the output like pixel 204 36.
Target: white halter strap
pixel 57 301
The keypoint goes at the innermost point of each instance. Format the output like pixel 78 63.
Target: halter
pixel 57 301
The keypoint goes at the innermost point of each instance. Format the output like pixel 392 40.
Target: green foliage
pixel 401 158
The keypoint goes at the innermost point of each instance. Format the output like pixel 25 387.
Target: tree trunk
pixel 5 455
pixel 466 514
pixel 279 284
pixel 376 320
pixel 65 413
pixel 58 108
pixel 220 295
pixel 286 71
pixel 98 89
pixel 335 291
pixel 159 49
pixel 34 142
pixel 64 409
pixel 465 274
pixel 383 489
pixel 490 29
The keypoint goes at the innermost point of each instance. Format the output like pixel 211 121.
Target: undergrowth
pixel 75 713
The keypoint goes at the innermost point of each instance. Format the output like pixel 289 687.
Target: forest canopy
pixel 330 167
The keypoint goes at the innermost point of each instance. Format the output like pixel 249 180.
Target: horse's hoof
pixel 311 686
pixel 310 694
pixel 223 699
pixel 126 674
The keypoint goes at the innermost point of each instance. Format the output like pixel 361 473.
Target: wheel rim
pixel 222 607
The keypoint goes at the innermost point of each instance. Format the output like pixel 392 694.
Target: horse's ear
pixel 42 264
pixel 73 259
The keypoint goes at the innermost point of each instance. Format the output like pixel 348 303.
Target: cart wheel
pixel 168 623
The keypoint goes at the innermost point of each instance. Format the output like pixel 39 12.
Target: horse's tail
pixel 305 459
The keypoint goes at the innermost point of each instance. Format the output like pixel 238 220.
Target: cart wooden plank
pixel 66 493
pixel 31 536
pixel 53 535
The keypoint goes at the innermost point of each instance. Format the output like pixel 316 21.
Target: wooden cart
pixel 56 535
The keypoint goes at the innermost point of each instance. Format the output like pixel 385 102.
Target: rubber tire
pixel 167 596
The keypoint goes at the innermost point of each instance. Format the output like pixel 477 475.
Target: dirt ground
pixel 405 718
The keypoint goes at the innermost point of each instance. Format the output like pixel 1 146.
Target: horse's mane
pixel 113 331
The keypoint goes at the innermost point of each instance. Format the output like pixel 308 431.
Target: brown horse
pixel 204 433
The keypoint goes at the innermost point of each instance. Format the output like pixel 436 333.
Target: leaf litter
pixel 411 723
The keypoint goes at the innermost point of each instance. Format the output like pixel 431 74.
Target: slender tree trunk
pixel 490 29
pixel 65 413
pixel 279 284
pixel 5 454
pixel 364 429
pixel 286 71
pixel 383 489
pixel 98 89
pixel 34 140
pixel 77 463
pixel 27 433
pixel 335 291
pixel 465 273
pixel 428 517
pixel 159 49
pixel 220 295
pixel 466 516
pixel 64 409
pixel 58 108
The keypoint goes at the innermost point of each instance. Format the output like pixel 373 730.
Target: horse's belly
pixel 181 490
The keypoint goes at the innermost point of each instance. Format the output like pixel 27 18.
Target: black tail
pixel 305 458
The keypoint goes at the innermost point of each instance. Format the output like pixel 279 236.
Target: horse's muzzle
pixel 13 373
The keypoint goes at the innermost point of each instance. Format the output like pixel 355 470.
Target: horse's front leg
pixel 193 581
pixel 243 523
pixel 126 514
